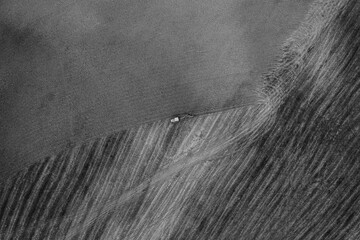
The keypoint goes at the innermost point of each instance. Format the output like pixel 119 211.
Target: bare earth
pixel 75 70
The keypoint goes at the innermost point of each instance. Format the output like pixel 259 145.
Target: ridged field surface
pixel 285 168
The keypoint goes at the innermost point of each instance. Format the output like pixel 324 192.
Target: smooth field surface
pixel 74 70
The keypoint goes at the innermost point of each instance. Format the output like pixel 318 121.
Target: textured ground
pixel 284 168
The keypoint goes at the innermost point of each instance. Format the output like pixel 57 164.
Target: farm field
pixel 71 71
pixel 285 167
